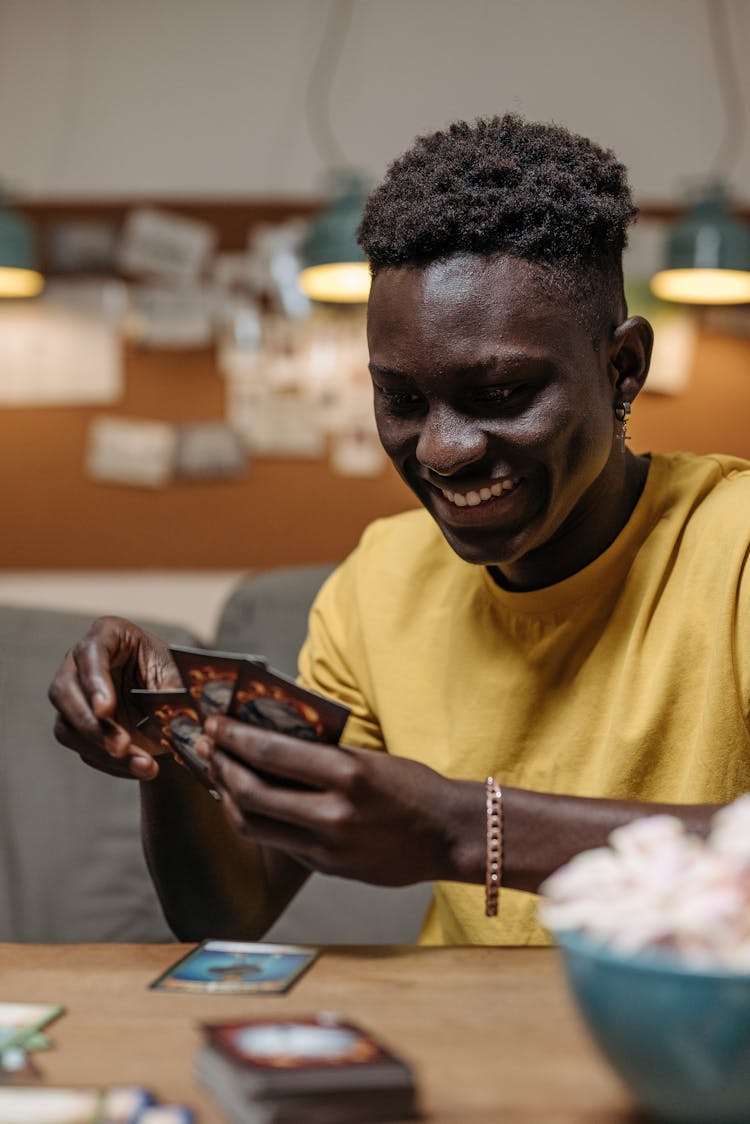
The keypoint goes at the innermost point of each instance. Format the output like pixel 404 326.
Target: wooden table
pixel 491 1033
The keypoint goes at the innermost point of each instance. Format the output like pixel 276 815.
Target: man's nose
pixel 449 442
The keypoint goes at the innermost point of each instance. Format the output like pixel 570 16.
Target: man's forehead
pixel 473 292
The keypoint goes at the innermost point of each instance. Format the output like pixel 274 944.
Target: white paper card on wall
pixel 163 317
pixel 209 449
pixel 55 357
pixel 131 451
pixel 672 359
pixel 358 453
pixel 161 244
pixel 274 425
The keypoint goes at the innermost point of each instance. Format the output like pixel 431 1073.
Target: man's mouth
pixel 475 497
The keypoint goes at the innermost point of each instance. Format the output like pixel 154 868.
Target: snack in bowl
pixel 655 935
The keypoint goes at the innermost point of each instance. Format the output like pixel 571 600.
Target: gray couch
pixel 71 866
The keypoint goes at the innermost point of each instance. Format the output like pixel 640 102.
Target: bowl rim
pixel 652 960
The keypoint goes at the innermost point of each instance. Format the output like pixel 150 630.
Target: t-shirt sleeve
pixel 333 660
pixel 742 656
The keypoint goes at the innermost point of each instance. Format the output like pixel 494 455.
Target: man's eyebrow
pixel 378 369
pixel 481 367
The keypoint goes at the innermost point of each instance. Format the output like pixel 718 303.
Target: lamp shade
pixel 18 278
pixel 708 256
pixel 335 268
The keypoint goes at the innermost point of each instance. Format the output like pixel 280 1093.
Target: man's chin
pixel 483 546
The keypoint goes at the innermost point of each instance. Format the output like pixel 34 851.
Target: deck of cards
pixel 244 687
pixel 319 1068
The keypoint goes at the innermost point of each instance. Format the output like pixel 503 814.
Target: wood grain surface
pixel 491 1033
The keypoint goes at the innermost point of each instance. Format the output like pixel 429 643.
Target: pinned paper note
pixel 171 317
pixel 131 451
pixel 278 425
pixel 165 245
pixel 51 356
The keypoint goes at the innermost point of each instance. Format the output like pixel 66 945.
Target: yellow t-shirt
pixel 630 679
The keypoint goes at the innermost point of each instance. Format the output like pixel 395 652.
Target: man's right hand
pixel 91 693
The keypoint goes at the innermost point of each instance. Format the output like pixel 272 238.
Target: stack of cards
pixel 320 1069
pixel 237 967
pixel 21 1033
pixel 243 687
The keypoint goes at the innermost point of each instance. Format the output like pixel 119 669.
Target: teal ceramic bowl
pixel 678 1037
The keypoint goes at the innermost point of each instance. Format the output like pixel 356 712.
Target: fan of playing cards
pixel 243 687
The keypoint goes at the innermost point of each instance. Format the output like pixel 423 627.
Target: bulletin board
pixel 279 512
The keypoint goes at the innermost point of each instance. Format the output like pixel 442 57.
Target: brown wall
pixel 281 512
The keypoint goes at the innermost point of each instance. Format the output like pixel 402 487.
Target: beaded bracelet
pixel 494 868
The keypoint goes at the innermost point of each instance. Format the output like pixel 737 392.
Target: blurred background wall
pixel 187 103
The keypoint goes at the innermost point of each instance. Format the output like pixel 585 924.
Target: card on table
pixel 237 967
pixel 171 720
pixel 264 697
pixel 21 1024
pixel 48 1105
pixel 209 676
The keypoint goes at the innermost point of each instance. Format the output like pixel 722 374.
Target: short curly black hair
pixel 505 185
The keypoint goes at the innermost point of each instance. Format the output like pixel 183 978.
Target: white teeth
pixel 473 499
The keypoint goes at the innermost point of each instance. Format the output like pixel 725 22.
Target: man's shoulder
pixel 401 552
pixel 706 498
pixel 707 481
pixel 414 529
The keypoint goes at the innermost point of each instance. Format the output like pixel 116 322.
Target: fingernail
pixel 203 748
pixel 141 766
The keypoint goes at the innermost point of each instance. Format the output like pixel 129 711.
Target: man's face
pixel 493 405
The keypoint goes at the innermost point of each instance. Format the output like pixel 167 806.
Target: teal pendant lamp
pixel 18 277
pixel 708 251
pixel 335 268
pixel 708 256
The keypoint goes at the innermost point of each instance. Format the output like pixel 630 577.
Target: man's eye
pixel 399 400
pixel 495 393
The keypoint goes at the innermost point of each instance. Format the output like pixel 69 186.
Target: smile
pixel 475 498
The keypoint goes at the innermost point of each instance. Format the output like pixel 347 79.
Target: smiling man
pixel 555 644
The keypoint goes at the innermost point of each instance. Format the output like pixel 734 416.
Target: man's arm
pixel 210 881
pixel 393 821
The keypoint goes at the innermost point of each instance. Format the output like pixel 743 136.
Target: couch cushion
pixel 71 864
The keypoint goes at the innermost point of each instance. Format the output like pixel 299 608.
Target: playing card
pixel 264 697
pixel 21 1023
pixel 48 1105
pixel 171 721
pixel 238 968
pixel 209 676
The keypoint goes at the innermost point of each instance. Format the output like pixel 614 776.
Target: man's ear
pixel 630 356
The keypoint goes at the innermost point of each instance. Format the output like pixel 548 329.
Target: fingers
pixel 91 688
pixel 314 764
pixel 136 763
